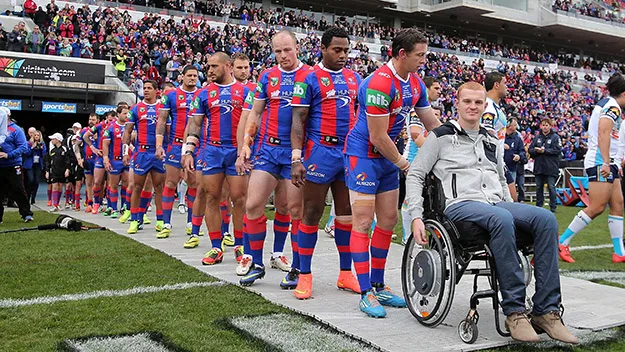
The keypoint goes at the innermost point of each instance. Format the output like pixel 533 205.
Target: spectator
pixel 65 48
pixel 16 41
pixel 34 41
pixel 33 164
pixel 51 44
pixel 30 8
pixel 52 9
pixel 546 151
pixel 40 17
pixel 3 38
pixel 119 60
pixel 514 153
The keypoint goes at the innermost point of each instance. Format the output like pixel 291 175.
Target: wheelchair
pixel 430 273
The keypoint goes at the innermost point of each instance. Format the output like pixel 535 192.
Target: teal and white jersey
pixel 410 152
pixel 606 108
pixel 495 120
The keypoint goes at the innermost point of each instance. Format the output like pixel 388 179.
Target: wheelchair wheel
pixel 467 330
pixel 429 275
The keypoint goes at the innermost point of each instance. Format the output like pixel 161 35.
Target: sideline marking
pixel 612 276
pixel 584 248
pixel 11 303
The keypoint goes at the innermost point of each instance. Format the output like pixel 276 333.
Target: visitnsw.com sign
pixel 51 70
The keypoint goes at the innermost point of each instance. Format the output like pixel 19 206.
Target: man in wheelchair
pixel 469 163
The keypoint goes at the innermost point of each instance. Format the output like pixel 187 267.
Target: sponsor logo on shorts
pixel 312 171
pixel 361 180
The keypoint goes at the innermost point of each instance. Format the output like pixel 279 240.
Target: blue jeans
pixel 500 221
pixel 540 186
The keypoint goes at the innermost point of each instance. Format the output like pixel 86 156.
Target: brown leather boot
pixel 519 326
pixel 552 324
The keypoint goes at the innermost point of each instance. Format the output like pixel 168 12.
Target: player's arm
pixel 76 147
pixel 416 134
pixel 427 117
pixel 126 138
pixel 161 125
pixel 251 126
pixel 105 150
pixel 380 139
pixel 605 128
pixel 298 172
pixel 193 130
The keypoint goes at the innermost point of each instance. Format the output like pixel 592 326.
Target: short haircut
pixel 334 32
pixel 151 82
pixel 407 39
pixel 188 68
pixel 93 114
pixel 429 80
pixel 472 85
pixel 223 57
pixel 492 78
pixel 240 56
pixel 121 108
pixel 285 32
pixel 167 85
pixel 546 119
pixel 616 84
pixel 123 103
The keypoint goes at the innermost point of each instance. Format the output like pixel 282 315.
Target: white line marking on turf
pixel 583 248
pixel 612 276
pixel 11 303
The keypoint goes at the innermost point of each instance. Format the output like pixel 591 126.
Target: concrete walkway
pixel 399 331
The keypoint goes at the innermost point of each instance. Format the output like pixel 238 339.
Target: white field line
pixel 613 276
pixel 11 303
pixel 583 248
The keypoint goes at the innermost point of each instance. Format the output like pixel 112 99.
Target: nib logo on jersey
pixel 361 180
pixel 312 171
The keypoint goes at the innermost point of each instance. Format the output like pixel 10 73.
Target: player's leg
pixel 130 184
pixel 158 180
pixel 146 199
pixel 198 208
pixel 172 176
pixel 89 184
pixel 342 235
pixel 49 193
pixel 113 181
pixel 225 207
pixel 98 183
pixel 212 184
pixel 281 221
pixel 78 186
pixel 238 194
pixel 615 222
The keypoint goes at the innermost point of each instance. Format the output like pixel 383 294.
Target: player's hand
pixel 96 151
pixel 246 153
pixel 243 166
pixel 605 170
pixel 47 175
pixel 160 153
pixel 506 146
pixel 403 164
pixel 3 155
pixel 188 162
pixel 66 173
pixel 418 231
pixel 298 174
pixel 107 165
pixel 126 160
pixel 80 162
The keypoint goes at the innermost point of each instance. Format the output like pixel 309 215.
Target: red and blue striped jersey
pixel 178 102
pixel 114 133
pixel 332 98
pixel 97 131
pixel 275 86
pixel 143 118
pixel 85 148
pixel 384 93
pixel 222 105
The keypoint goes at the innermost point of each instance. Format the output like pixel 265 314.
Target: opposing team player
pixel 602 168
pixel 324 108
pixel 494 118
pixel 373 163
pixel 177 104
pixel 272 159
pixel 112 149
pixel 221 103
pixel 142 118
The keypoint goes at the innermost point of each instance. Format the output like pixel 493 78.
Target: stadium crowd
pixel 609 10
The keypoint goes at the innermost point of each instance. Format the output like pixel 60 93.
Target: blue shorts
pixel 274 160
pixel 324 164
pixel 117 167
pixel 594 174
pixel 147 161
pixel 220 160
pixel 173 157
pixel 509 179
pixel 88 165
pixel 198 156
pixel 370 176
pixel 98 163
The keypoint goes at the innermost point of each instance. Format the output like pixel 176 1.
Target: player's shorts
pixel 198 156
pixel 370 176
pixel 173 157
pixel 117 167
pixel 509 179
pixel 88 166
pixel 220 160
pixel 324 164
pixel 98 163
pixel 594 174
pixel 57 178
pixel 274 160
pixel 146 161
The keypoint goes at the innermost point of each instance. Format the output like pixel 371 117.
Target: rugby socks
pixel 256 232
pixel 380 243
pixel 580 221
pixel 615 225
pixel 295 263
pixel 96 195
pixel 196 222
pixel 128 197
pixel 159 215
pixel 113 196
pixel 238 237
pixel 135 214
pixel 77 199
pixel 191 194
pixel 280 231
pixel 122 195
pixel 342 233
pixel 306 241
pixel 56 198
pixel 225 217
pixel 216 238
pixel 68 195
pixel 144 203
pixel 168 203
pixel 246 238
pixel 359 247
pixel 49 194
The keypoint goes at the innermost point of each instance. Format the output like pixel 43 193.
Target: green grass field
pixel 52 263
